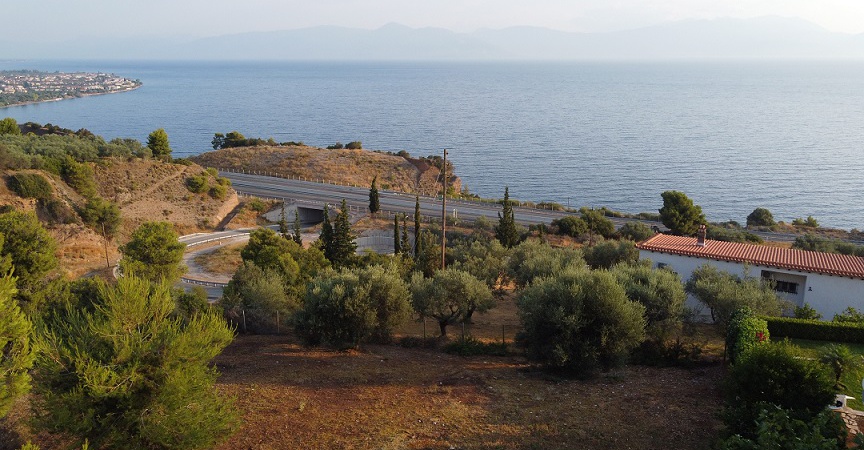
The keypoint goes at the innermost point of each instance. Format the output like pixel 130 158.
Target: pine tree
pixel 157 142
pixel 374 201
pixel 131 375
pixel 297 238
pixel 416 226
pixel 16 354
pixel 397 243
pixel 344 246
pixel 283 223
pixel 405 244
pixel 506 232
pixel 326 238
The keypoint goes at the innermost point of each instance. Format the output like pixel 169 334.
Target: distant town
pixel 21 87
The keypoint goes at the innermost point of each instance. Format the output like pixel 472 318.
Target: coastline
pixel 120 91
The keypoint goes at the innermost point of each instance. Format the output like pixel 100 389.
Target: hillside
pixel 356 167
pixel 145 190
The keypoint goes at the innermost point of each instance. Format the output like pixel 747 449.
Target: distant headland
pixel 22 87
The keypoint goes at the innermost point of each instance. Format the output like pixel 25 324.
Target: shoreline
pixel 13 105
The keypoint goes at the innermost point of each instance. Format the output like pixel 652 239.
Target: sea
pixel 732 135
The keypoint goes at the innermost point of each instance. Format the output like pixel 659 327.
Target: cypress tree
pixel 506 232
pixel 397 243
pixel 416 226
pixel 374 203
pixel 297 238
pixel 343 239
pixel 405 244
pixel 326 237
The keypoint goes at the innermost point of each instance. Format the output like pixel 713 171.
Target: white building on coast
pixel 828 282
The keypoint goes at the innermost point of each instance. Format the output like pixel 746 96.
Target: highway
pixel 315 194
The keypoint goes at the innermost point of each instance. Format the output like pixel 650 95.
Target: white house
pixel 827 282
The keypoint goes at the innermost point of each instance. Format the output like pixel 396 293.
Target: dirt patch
pixel 392 397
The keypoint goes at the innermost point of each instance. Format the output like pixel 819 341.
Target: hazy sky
pixel 48 20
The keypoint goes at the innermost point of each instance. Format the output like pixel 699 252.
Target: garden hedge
pixel 816 330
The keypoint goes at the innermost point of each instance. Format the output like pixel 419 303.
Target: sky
pixel 52 20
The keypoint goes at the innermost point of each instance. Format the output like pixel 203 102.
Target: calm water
pixel 733 136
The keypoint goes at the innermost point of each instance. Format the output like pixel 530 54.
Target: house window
pixel 785 286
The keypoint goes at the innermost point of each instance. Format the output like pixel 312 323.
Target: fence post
pixel 244 320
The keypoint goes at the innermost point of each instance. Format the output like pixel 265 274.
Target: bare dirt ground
pixel 389 397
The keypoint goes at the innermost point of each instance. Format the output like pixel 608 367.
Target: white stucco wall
pixel 827 294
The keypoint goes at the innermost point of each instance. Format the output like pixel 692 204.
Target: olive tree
pixel 659 291
pixel 448 296
pixel 346 308
pixel 533 259
pixel 580 321
pixel 724 293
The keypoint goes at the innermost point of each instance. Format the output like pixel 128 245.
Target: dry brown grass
pixel 389 397
pixel 354 167
pixel 221 260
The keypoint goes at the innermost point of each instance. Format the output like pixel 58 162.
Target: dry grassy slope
pixel 145 190
pixel 345 166
pixel 148 190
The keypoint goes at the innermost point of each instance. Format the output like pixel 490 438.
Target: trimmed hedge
pixel 816 330
pixel 744 332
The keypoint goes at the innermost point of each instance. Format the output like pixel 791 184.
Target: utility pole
pixel 105 242
pixel 444 210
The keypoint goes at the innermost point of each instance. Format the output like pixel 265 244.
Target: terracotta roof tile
pixel 785 258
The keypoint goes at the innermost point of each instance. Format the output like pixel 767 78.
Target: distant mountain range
pixel 759 38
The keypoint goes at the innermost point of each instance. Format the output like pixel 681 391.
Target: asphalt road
pixel 314 193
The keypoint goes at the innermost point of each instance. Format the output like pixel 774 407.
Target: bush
pixel 815 330
pixel 745 331
pixel 609 253
pixel 354 145
pixel 760 217
pixel 725 293
pixel 257 205
pixel 774 374
pixel 579 322
pixel 809 222
pixel 56 211
pixel 806 311
pixel 660 292
pixel 778 428
pixel 336 146
pixel 197 184
pixel 254 296
pixel 30 185
pixel 635 231
pixel 222 181
pixel 212 171
pixel 849 315
pixel 219 192
pixel 346 308
pixel 79 176
pixel 470 346
pixel 531 260
pixel 571 226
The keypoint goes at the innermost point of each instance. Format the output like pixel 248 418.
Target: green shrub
pixel 222 181
pixel 30 185
pixel 806 311
pixel 571 226
pixel 470 346
pixel 257 205
pixel 609 253
pixel 815 330
pixel 354 145
pixel 79 176
pixel 336 146
pixel 635 231
pixel 579 321
pixel 212 171
pixel 744 332
pixel 197 184
pixel 849 315
pixel 778 428
pixel 774 374
pixel 760 217
pixel 218 192
pixel 182 161
pixel 809 222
